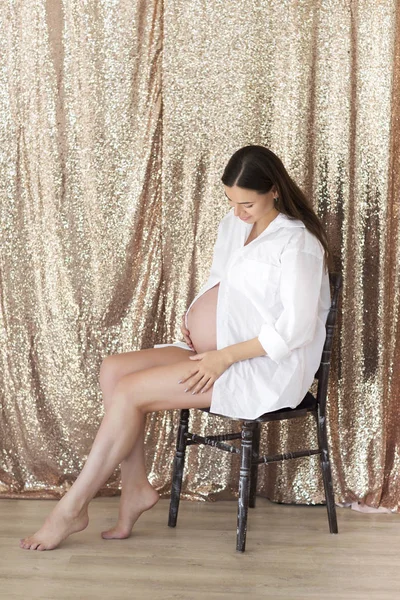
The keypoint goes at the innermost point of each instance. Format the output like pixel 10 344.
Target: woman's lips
pixel 244 219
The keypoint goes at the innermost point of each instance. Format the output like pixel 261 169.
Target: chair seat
pixel 309 403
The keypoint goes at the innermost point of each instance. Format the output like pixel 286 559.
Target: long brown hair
pixel 258 168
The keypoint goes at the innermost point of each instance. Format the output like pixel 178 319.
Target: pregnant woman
pixel 253 340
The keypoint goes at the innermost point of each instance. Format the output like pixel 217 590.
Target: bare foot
pixel 132 504
pixel 57 526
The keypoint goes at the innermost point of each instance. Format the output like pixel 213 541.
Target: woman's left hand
pixel 210 365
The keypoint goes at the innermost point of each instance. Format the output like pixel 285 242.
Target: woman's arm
pixel 243 350
pixel 300 289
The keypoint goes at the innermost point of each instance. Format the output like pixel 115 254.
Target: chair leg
pixel 254 467
pixel 327 474
pixel 244 483
pixel 179 464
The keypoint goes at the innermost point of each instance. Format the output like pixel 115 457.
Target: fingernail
pixel 186 390
pixel 193 393
pixel 180 381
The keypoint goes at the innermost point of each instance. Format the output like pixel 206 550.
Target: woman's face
pixel 250 206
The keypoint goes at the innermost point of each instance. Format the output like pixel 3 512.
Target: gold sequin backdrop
pixel 117 119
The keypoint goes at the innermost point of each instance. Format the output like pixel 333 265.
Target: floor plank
pixel 290 555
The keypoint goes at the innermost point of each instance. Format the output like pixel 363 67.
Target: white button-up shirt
pixel 276 289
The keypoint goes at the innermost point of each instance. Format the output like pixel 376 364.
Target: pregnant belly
pixel 202 321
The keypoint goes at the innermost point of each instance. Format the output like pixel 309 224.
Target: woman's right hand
pixel 186 334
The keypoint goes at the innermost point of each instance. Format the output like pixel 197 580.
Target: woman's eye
pixel 249 206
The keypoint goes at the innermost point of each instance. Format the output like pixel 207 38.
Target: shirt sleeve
pixel 300 286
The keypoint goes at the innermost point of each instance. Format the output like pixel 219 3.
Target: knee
pixel 106 371
pixel 126 393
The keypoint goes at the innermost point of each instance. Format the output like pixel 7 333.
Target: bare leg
pixel 113 442
pixel 137 494
pixel 135 395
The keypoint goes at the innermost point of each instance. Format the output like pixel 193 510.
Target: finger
pixel 201 384
pixel 186 377
pixel 207 386
pixel 198 385
pixel 192 382
pixel 189 342
pixel 196 357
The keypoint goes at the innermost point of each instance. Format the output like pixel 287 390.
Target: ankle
pixel 74 509
pixel 139 495
pixel 138 488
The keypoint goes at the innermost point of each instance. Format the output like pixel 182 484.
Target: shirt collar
pixel 281 220
pixel 285 221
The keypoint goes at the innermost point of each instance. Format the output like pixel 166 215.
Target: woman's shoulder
pixel 303 240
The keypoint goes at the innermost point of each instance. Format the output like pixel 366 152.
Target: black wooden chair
pixel 250 439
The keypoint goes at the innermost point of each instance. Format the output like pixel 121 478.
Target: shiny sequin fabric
pixel 116 120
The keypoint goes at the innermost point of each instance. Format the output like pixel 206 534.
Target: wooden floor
pixel 290 554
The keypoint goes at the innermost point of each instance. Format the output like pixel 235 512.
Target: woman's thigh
pixel 116 366
pixel 157 387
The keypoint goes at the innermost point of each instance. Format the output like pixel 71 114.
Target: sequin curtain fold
pixel 117 119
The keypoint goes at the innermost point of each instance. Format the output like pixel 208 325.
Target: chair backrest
pixel 335 280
